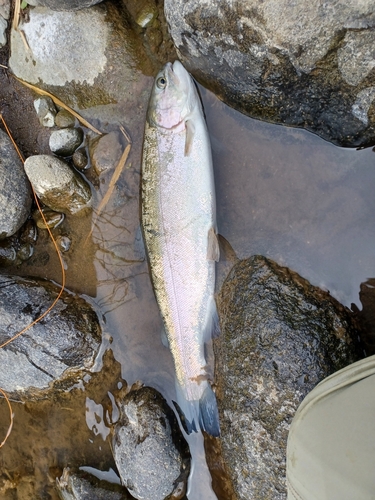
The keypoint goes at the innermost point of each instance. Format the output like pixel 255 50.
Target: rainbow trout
pixel 178 219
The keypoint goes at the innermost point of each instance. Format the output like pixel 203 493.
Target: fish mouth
pixel 170 72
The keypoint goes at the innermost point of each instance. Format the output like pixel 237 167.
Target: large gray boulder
pixel 53 353
pixel 305 64
pixel 280 337
pixel 147 445
pixel 76 55
pixel 15 190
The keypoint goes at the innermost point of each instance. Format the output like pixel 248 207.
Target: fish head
pixel 173 97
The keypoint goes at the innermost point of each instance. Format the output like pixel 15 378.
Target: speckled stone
pixel 295 63
pixel 280 337
pixel 144 445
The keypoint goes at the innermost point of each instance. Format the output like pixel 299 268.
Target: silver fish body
pixel 178 219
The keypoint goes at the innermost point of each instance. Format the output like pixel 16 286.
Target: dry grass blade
pixel 63 278
pixel 16 16
pixel 2 66
pixel 11 417
pixel 111 186
pixel 114 179
pixel 25 42
pixel 58 101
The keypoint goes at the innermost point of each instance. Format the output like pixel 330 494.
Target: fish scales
pixel 178 218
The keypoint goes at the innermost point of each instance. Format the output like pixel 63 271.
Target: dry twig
pixel 115 177
pixel 59 102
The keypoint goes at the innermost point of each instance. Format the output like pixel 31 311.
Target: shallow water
pixel 281 192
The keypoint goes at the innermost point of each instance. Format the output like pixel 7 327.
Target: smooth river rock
pixel 15 191
pixel 57 185
pixel 55 352
pixel 305 64
pixel 46 111
pixel 147 445
pixel 280 337
pixel 79 485
pixel 65 141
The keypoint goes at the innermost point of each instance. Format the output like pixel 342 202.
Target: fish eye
pixel 161 82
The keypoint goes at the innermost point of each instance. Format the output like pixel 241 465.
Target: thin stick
pixel 60 103
pixel 63 279
pixel 111 186
pixel 2 66
pixel 11 417
pixel 23 38
pixel 16 16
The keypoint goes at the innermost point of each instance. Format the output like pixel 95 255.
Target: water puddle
pixel 283 193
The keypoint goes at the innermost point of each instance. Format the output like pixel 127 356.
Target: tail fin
pixel 199 414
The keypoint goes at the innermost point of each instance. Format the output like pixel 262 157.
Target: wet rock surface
pixel 148 446
pixel 306 65
pixel 65 141
pixel 3 29
pixel 54 352
pixel 15 191
pixel 105 152
pixel 64 119
pixel 46 111
pixel 57 185
pixel 66 4
pixel 78 485
pixel 4 8
pixel 280 337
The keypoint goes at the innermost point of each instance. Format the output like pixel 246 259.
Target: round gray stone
pixel 65 141
pixel 57 185
pixel 143 445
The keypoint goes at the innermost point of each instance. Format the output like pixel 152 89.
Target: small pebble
pixel 46 111
pixel 80 159
pixel 25 252
pixel 8 254
pixel 29 232
pixel 65 141
pixel 64 243
pixel 3 29
pixel 64 119
pixel 52 218
pixel 105 152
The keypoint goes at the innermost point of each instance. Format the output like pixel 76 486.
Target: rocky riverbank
pixel 280 334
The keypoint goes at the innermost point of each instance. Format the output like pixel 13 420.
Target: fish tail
pixel 199 414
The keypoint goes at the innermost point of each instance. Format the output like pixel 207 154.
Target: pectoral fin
pixel 190 131
pixel 213 250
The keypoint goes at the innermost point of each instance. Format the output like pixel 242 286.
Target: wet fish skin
pixel 178 219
